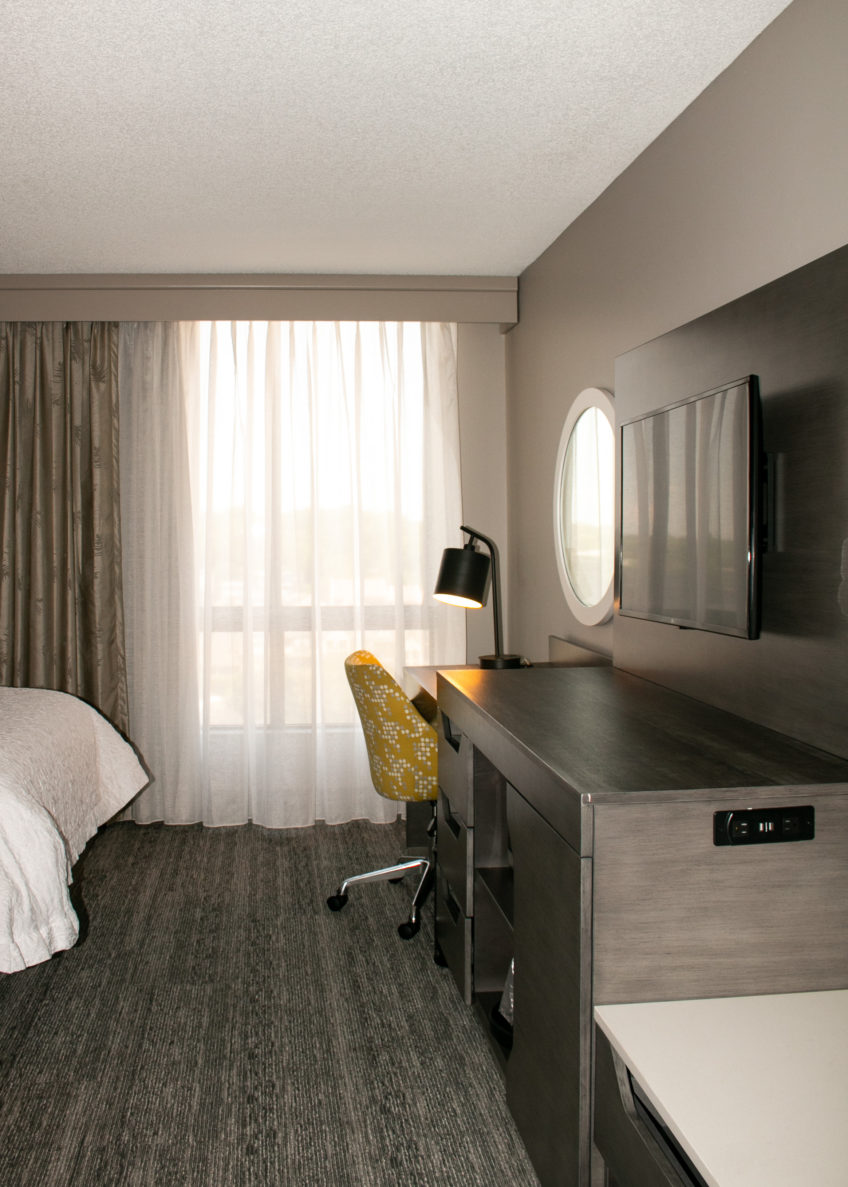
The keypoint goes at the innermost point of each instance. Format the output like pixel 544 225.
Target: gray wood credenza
pixel 576 834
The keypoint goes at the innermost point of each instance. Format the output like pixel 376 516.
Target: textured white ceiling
pixel 337 136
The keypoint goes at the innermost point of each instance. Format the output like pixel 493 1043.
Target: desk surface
pixel 755 1089
pixel 601 730
pixel 576 736
pixel 426 677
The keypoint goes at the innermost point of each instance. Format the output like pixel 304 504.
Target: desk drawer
pixel 453 934
pixel 455 853
pixel 456 769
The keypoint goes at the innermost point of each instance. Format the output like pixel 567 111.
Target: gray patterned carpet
pixel 219 1027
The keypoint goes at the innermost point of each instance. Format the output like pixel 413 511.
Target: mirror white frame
pixel 587 609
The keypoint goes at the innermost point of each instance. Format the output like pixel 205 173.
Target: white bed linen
pixel 64 771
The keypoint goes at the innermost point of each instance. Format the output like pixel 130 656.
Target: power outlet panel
pixel 764 826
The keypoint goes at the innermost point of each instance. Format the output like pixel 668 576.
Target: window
pixel 322 481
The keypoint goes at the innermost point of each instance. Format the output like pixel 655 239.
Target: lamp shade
pixel 463 578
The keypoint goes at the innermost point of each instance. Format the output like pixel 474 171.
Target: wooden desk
pixel 753 1089
pixel 576 833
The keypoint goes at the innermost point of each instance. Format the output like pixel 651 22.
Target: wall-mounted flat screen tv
pixel 691 512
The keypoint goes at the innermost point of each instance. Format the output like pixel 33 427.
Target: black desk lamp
pixel 464 581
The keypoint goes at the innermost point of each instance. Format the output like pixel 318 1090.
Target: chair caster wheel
pixel 336 901
pixel 407 930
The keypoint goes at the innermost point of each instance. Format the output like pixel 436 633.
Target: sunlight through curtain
pixel 287 491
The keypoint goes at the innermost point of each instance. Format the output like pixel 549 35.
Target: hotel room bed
pixel 64 771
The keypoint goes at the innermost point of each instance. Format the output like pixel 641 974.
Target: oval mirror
pixel 584 515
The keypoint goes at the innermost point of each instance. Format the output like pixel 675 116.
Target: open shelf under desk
pixel 484 1005
pixel 497 883
pixel 493 941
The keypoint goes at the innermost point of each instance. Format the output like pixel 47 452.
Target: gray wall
pixel 481 391
pixel 749 183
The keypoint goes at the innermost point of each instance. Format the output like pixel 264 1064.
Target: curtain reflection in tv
pixel 685 513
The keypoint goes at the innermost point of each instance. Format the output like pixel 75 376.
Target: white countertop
pixel 755 1089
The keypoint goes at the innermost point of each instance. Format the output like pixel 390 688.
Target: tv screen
pixel 690 512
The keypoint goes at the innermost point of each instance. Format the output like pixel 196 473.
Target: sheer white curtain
pixel 287 489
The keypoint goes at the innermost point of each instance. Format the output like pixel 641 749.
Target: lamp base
pixel 500 661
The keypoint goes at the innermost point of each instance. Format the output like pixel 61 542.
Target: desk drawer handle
pixel 452 905
pixel 449 818
pixel 453 739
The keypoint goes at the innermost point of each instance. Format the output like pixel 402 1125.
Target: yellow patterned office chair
pixel 402 755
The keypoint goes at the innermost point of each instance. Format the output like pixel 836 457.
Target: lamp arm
pixel 496 582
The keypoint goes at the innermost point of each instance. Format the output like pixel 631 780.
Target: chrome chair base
pixel 420 865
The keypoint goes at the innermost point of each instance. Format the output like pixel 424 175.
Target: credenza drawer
pixel 455 848
pixel 456 767
pixel 453 935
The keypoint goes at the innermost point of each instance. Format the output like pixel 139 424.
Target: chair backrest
pixel 401 744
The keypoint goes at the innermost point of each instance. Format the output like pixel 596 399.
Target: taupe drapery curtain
pixel 61 615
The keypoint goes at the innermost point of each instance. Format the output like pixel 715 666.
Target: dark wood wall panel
pixel 793 334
